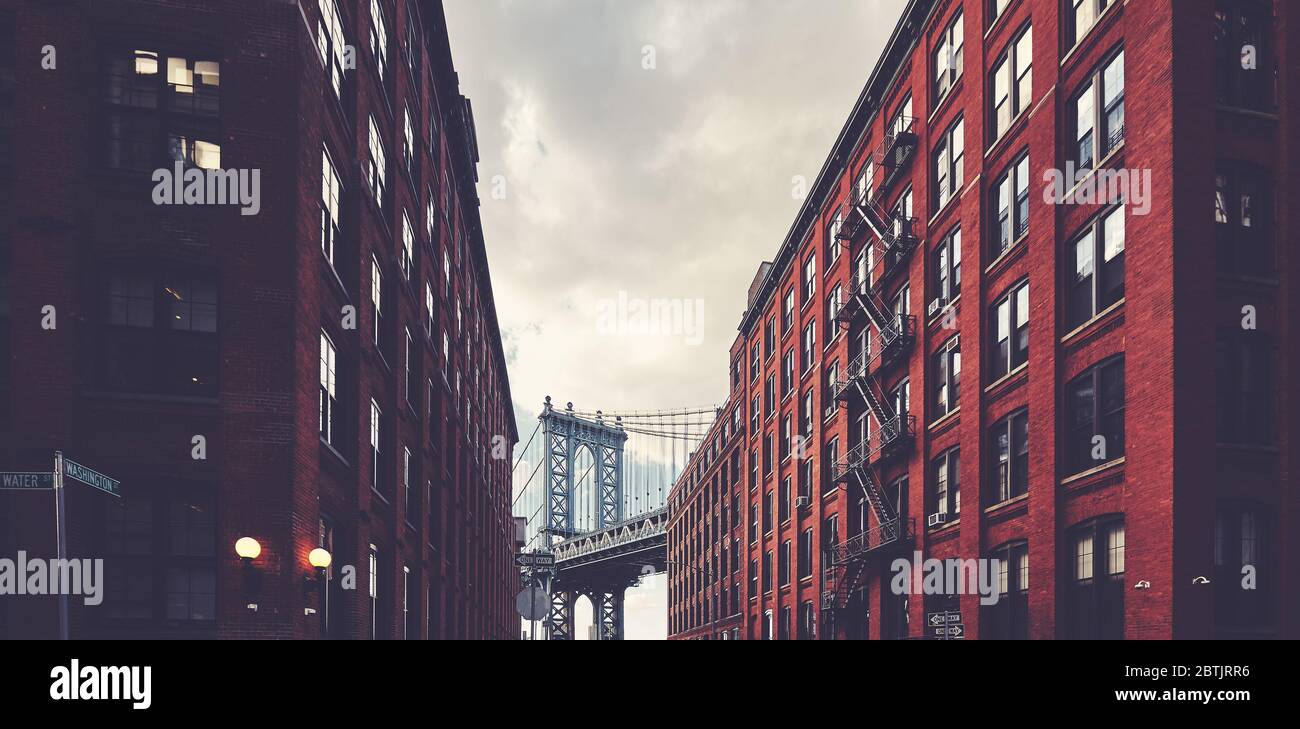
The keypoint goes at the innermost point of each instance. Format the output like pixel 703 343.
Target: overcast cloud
pixel 673 182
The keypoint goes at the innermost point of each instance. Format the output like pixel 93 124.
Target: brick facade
pixel 1112 545
pixel 119 387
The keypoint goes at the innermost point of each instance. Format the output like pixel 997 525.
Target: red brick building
pixel 1120 434
pixel 327 372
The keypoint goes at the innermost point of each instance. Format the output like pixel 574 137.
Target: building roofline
pixel 897 50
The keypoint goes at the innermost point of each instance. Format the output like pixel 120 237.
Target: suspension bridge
pixel 593 487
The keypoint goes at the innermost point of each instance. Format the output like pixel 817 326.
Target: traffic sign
pixel 944 618
pixel 26 481
pixel 535 559
pixel 92 478
pixel 532 603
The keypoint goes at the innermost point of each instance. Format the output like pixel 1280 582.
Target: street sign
pixel 92 478
pixel 955 631
pixel 945 618
pixel 535 559
pixel 25 481
pixel 532 603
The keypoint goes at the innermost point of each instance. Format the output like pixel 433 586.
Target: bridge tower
pixel 565 436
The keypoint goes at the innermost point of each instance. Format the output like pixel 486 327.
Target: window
pixel 407 628
pixel 1009 440
pixel 754 363
pixel 995 10
pixel 159 558
pixel 753 521
pixel 376 447
pixel 787 311
pixel 1012 82
pixel 1243 219
pixel 767 512
pixel 767 572
pixel 408 142
pixel 947 267
pixel 1011 206
pixel 948 58
pixel 1238 24
pixel 160 331
pixel 1081 18
pixel 754 411
pixel 379 40
pixel 947 374
pixel 807 621
pixel 374 593
pixel 806 554
pixel 809 279
pixel 833 239
pixel 783 508
pixel 409 371
pixel 428 310
pixel 1096 592
pixel 1010 325
pixel 769 397
pixel 753 578
pixel 946 470
pixel 783 564
pixel 1244 386
pixel 894 612
pixel 767 625
pixel 831 457
pixel 806 413
pixel 808 354
pixel 329 414
pixel 1094 288
pixel 377 302
pixel 1098 113
pixel 1008 618
pixel 408 246
pixel 1241 541
pixel 769 338
pixel 833 303
pixel 787 373
pixel 156 119
pixel 1095 416
pixel 948 157
pixel 331 43
pixel 331 191
pixel 377 164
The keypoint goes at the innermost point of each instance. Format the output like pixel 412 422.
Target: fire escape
pixel 891 238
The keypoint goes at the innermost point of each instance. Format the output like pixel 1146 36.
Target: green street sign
pixel 92 478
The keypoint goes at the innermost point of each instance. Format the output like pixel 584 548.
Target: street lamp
pixel 248 549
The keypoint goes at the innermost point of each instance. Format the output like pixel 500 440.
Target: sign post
pixel 61 537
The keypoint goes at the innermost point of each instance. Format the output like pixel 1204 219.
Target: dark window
pixel 948 169
pixel 1239 24
pixel 767 572
pixel 767 512
pixel 1243 217
pixel 1095 416
pixel 1096 267
pixel 1010 327
pixel 1243 579
pixel 783 564
pixel 1008 618
pixel 753 578
pixel 807 621
pixel 1244 385
pixel 1010 205
pixel 1096 587
pixel 160 332
pixel 159 559
pixel 783 507
pixel 1009 441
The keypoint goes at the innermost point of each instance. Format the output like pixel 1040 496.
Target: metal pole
pixel 61 538
pixel 532 600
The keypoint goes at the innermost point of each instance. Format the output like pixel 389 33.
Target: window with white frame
pixel 1010 206
pixel 1098 114
pixel 1013 81
pixel 948 58
pixel 948 160
pixel 331 44
pixel 378 39
pixel 329 415
pixel 377 164
pixel 331 192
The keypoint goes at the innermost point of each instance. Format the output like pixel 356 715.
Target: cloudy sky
pixel 645 152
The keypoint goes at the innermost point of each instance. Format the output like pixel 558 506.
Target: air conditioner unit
pixel 938 519
pixel 936 306
pixel 802 502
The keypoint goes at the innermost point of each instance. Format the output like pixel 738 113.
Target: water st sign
pixel 26 481
pixel 91 478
